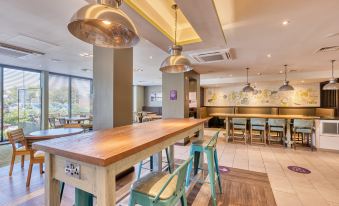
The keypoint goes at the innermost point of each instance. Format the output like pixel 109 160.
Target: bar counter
pixel 96 157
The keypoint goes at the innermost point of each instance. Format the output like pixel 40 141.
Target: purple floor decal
pixel 224 169
pixel 299 169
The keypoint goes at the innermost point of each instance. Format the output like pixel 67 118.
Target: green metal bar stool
pixel 276 130
pixel 258 130
pixel 82 198
pixel 239 127
pixel 305 128
pixel 209 148
pixel 160 188
pixel 142 163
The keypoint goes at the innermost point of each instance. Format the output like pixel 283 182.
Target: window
pixel 81 97
pixel 21 100
pixel 58 96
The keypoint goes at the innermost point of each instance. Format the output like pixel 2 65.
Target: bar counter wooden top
pixel 105 147
pixel 273 116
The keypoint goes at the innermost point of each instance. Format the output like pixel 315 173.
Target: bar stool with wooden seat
pixel 239 130
pixel 276 130
pixel 305 128
pixel 17 137
pixel 209 148
pixel 160 188
pixel 258 130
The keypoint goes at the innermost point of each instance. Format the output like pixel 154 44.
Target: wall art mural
pixel 305 95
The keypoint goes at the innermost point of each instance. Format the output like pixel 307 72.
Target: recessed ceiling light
pixel 150 57
pixel 230 75
pixel 85 54
pixel 285 22
pixel 106 22
pixel 56 60
pixel 269 55
pixel 292 70
pixel 138 70
pixel 85 69
pixel 281 71
pixel 259 73
pixel 302 81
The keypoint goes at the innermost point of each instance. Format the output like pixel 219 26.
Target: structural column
pixel 112 84
pixel 44 99
pixel 175 97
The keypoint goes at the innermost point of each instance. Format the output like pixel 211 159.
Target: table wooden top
pixel 54 133
pixel 104 147
pixel 273 116
pixel 77 118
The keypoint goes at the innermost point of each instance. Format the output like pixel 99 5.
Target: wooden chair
pixel 305 128
pixel 276 130
pixel 52 123
pixel 36 157
pixel 62 121
pixel 72 125
pixel 15 137
pixel 88 126
pixel 159 188
pixel 239 130
pixel 258 130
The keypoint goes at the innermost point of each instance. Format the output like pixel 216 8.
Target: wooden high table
pixel 288 118
pixel 100 155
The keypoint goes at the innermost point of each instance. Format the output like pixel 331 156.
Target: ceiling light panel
pixel 160 15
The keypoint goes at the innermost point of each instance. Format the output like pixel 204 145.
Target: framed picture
pixel 173 95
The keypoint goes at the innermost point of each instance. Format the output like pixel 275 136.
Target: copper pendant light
pixel 248 87
pixel 333 84
pixel 104 25
pixel 176 62
pixel 286 86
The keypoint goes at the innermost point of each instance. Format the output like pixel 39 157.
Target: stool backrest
pixel 302 123
pixel 180 174
pixel 276 122
pixel 213 140
pixel 258 121
pixel 240 121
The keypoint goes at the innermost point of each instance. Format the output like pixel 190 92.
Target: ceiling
pixel 253 29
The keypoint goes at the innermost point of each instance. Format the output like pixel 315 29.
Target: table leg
pixel 288 134
pixel 105 186
pixel 52 186
pixel 201 159
pixel 157 162
pixel 171 157
pixel 226 128
pixel 83 198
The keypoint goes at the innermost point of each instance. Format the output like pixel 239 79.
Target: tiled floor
pixel 319 188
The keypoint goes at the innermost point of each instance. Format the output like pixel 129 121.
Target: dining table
pixel 76 119
pixel 288 118
pixel 53 133
pixel 90 161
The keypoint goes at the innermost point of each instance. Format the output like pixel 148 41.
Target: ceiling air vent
pixel 214 56
pixel 328 49
pixel 17 52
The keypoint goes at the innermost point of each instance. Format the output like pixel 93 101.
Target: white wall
pixel 138 98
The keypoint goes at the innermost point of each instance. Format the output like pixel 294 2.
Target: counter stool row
pixel 263 131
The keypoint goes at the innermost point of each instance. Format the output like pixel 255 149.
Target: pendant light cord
pixel 175 24
pixel 247 74
pixel 332 68
pixel 285 72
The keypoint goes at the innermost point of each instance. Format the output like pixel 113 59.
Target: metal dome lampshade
pixel 248 87
pixel 286 86
pixel 104 25
pixel 333 84
pixel 176 62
